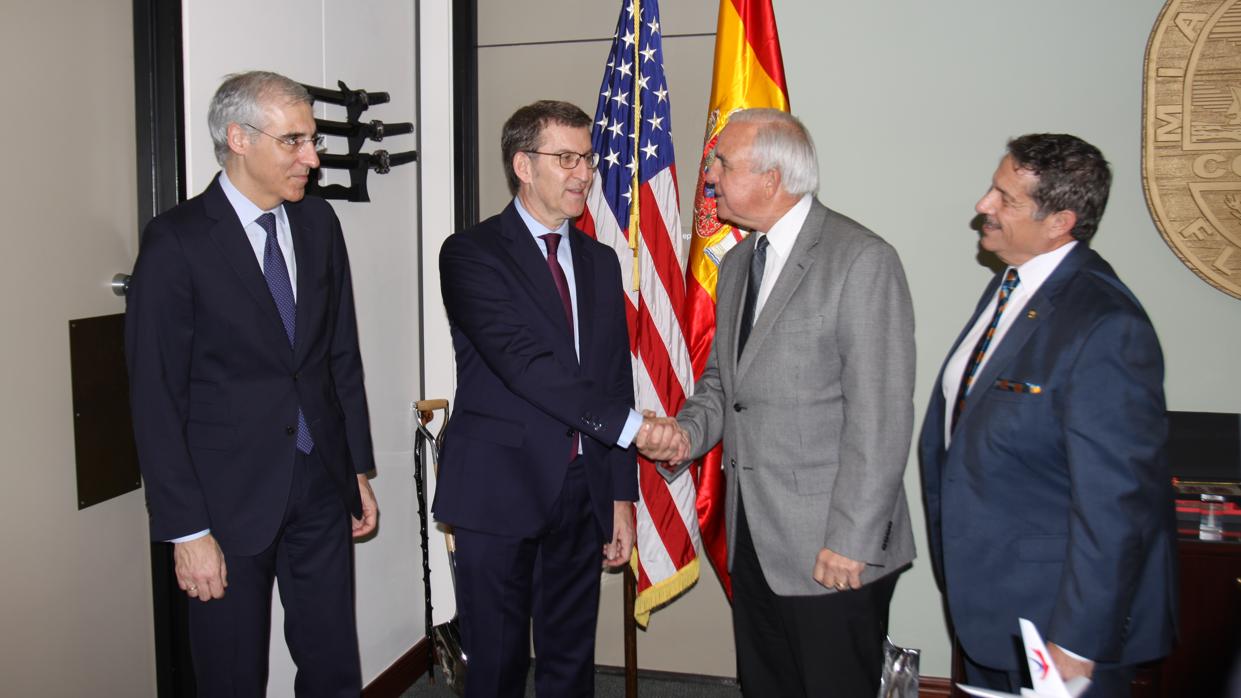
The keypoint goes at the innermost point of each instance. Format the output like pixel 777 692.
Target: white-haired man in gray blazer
pixel 809 385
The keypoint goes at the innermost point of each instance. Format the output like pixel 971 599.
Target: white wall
pixel 910 103
pixel 371 46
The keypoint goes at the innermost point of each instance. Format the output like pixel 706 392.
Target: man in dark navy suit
pixel 248 402
pixel 538 476
pixel 1047 487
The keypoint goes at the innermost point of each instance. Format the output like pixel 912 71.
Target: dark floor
pixel 610 683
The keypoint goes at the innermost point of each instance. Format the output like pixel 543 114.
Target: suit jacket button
pixel 737 407
pixel 295 377
pixel 290 431
pixel 569 433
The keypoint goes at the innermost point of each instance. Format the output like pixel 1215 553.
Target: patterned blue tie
pixel 277 275
pixel 980 348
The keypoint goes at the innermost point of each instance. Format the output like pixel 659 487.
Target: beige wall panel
pixel 512 76
pixel 573 20
pixel 75 597
pixel 692 635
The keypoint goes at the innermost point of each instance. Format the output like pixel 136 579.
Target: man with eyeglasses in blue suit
pixel 248 402
pixel 538 476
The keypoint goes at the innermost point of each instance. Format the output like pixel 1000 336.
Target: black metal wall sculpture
pixel 356 133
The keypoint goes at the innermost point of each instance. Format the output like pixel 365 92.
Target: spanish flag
pixel 749 72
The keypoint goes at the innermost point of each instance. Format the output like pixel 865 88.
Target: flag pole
pixel 634 181
pixel 631 582
pixel 631 635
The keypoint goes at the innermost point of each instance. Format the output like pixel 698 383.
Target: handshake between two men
pixel 661 439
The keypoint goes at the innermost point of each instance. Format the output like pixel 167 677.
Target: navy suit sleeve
pixel 159 335
pixel 346 359
pixel 1114 431
pixel 482 303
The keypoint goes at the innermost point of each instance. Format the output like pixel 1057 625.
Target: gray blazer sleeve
pixel 876 343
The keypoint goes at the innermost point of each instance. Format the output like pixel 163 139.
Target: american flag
pixel 633 208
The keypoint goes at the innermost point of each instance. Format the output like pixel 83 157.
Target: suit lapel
pixel 531 266
pixel 306 249
pixel 584 279
pixel 730 298
pixel 801 258
pixel 230 237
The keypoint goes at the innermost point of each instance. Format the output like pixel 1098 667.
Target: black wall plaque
pixel 103 434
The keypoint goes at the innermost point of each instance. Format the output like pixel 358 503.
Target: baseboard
pixel 404 672
pixel 669 675
pixel 928 686
pixel 934 687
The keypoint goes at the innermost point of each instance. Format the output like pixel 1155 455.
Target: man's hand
pixel 1069 667
pixel 617 552
pixel 662 439
pixel 370 509
pixel 835 571
pixel 200 569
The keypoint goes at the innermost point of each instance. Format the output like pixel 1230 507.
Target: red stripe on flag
pixel 665 515
pixel 663 255
pixel 654 355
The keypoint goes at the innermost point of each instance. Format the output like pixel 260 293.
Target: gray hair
pixel 781 142
pixel 241 99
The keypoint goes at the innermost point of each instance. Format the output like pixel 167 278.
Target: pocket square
pixel 1018 386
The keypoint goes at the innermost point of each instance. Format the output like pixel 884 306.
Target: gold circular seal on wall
pixel 1191 136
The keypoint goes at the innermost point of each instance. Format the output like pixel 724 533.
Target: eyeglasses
pixel 569 159
pixel 291 142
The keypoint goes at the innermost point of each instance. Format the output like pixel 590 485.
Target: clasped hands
pixel 662 439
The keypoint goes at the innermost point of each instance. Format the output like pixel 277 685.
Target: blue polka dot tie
pixel 277 275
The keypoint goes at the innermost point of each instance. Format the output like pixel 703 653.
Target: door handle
pixel 120 284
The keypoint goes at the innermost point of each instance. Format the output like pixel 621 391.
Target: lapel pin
pixel 1031 314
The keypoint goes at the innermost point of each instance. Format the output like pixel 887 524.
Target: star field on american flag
pixel 628 75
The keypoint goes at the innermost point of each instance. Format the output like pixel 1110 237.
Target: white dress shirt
pixel 780 241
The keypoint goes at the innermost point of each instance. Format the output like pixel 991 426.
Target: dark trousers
pixel 312 560
pixel 824 646
pixel 504 581
pixel 1108 681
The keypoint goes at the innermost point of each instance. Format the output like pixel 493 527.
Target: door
pixel 75 591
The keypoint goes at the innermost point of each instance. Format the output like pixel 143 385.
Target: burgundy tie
pixel 562 285
pixel 552 240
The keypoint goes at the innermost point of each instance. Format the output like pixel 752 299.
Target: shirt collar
pixel 536 228
pixel 247 212
pixel 783 234
pixel 1036 270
